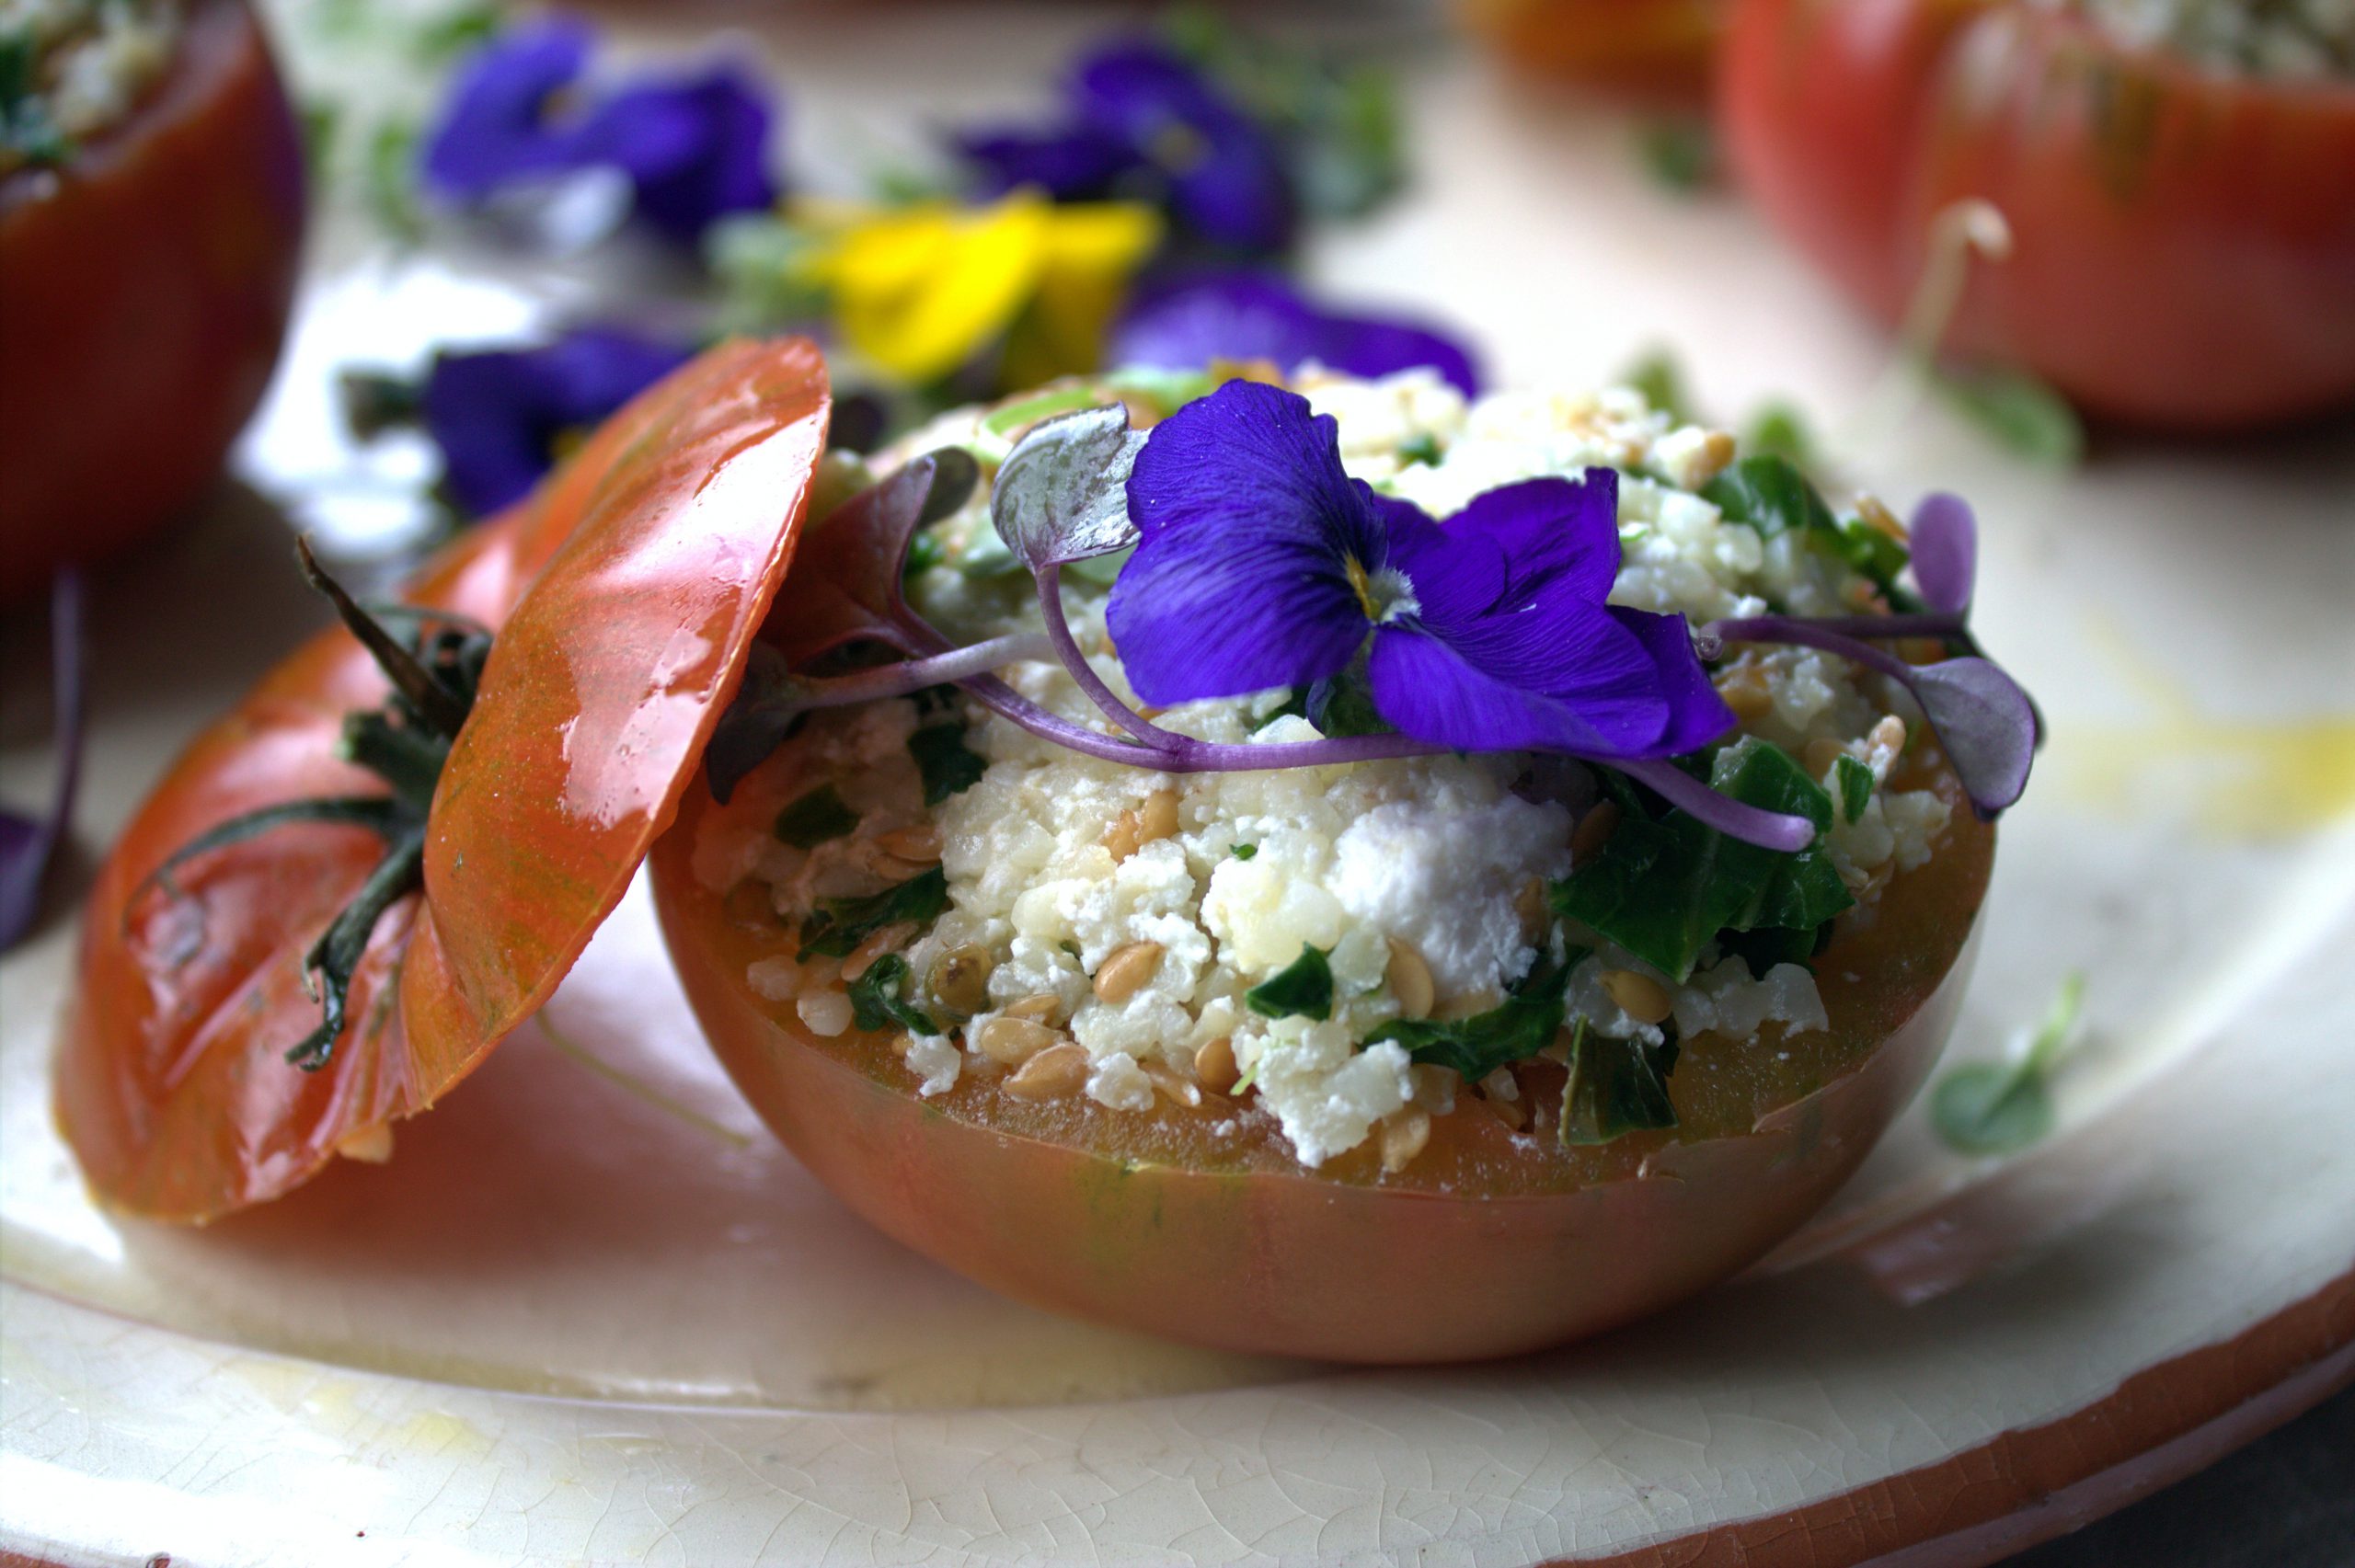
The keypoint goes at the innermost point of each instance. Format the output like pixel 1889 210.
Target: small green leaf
pixel 1772 496
pixel 879 997
pixel 816 818
pixel 2018 411
pixel 445 38
pixel 1985 1107
pixel 1242 852
pixel 1422 449
pixel 1680 155
pixel 1615 1087
pixel 1302 988
pixel 1523 1024
pixel 948 765
pixel 837 926
pixel 1777 429
pixel 1856 787
pixel 1658 377
pixel 1342 704
pixel 391 181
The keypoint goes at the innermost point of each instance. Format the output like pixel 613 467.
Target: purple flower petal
pixel 1946 552
pixel 1454 580
pixel 694 148
pixel 1225 172
pixel 1072 162
pixel 493 128
pixel 1481 688
pixel 28 848
pixel 1552 530
pixel 1696 713
pixel 1248 526
pixel 498 414
pixel 1191 321
pixel 716 159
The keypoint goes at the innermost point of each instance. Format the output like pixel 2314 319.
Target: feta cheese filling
pixel 1100 928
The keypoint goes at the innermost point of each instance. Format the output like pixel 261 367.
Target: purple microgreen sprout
pixel 1945 554
pixel 1060 495
pixel 27 847
pixel 1981 716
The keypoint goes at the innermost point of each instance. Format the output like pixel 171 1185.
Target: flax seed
pixel 1593 831
pixel 889 939
pixel 1043 1007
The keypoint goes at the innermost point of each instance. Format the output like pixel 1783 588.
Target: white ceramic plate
pixel 590 1312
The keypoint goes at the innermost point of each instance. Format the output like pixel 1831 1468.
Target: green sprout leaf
pixel 1616 1087
pixel 1985 1107
pixel 816 818
pixel 1242 852
pixel 879 998
pixel 1680 155
pixel 948 765
pixel 837 926
pixel 1303 987
pixel 2020 412
pixel 1855 782
pixel 1515 1030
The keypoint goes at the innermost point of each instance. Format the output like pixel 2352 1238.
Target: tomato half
pixel 649 560
pixel 2184 239
pixel 143 291
pixel 1653 47
pixel 1197 1226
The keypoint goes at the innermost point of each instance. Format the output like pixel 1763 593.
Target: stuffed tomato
pixel 151 221
pixel 2178 181
pixel 1388 984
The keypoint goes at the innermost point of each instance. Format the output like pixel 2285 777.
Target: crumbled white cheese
pixel 1428 872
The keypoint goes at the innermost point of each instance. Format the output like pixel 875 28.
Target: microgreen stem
pixel 1768 830
pixel 919 674
pixel 1826 635
pixel 1051 607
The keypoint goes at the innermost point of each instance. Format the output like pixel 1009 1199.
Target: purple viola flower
pixel 500 415
pixel 1187 323
pixel 693 147
pixel 1138 116
pixel 1261 564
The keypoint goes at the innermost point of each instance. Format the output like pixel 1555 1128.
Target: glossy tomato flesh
pixel 2184 238
pixel 1189 1224
pixel 144 291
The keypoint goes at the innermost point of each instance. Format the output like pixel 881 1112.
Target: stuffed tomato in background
pixel 151 220
pixel 1293 1020
pixel 1653 47
pixel 2178 181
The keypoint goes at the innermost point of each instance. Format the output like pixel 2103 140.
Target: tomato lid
pixel 650 560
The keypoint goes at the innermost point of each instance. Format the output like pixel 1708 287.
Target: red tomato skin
pixel 2184 241
pixel 1299 1265
pixel 170 1086
pixel 143 302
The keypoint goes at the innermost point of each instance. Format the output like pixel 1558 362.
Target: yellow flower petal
pixel 1092 250
pixel 921 290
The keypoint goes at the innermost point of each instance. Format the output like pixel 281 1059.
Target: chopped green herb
pixel 1680 155
pixel 924 552
pixel 1855 786
pixel 838 925
pixel 1778 429
pixel 816 818
pixel 1615 1087
pixel 948 765
pixel 1422 449
pixel 1242 852
pixel 1986 1107
pixel 1772 496
pixel 1304 988
pixel 880 997
pixel 1517 1029
pixel 27 132
pixel 443 39
pixel 1662 888
pixel 1656 375
pixel 2018 411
